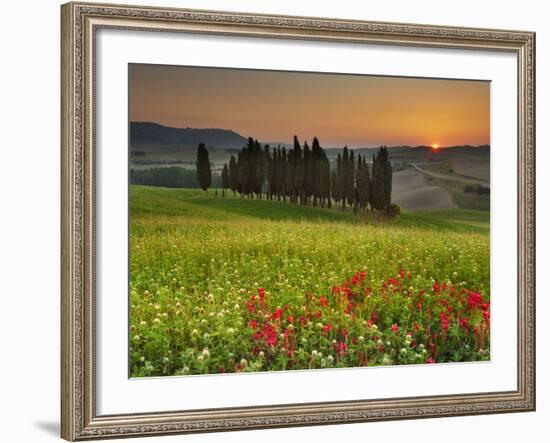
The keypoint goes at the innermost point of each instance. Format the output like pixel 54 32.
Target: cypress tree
pixel 233 174
pixel 289 175
pixel 357 178
pixel 350 179
pixel 324 181
pixel 343 176
pixel 363 183
pixel 274 173
pixel 268 171
pixel 371 190
pixel 298 166
pixel 204 173
pixel 259 174
pixel 388 177
pixel 338 180
pixel 225 179
pixel 318 155
pixel 378 197
pixel 280 173
pixel 242 163
pixel 309 178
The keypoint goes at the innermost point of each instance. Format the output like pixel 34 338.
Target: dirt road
pixel 467 181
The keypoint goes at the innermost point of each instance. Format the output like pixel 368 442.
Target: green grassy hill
pixel 193 203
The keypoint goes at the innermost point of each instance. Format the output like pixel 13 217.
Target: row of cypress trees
pixel 302 174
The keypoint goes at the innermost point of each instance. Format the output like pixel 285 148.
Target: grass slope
pixel 155 201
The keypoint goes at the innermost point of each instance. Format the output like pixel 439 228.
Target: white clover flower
pixel 230 331
pixel 330 358
pixel 403 351
pixel 374 327
pixel 165 359
pixel 136 337
pixel 388 343
pixel 420 346
pixel 205 353
pixel 156 320
pixel 379 343
pixel 361 338
pixel 243 362
pixel 194 332
pixel 333 342
pixel 261 354
pixel 314 353
pixel 142 358
pixel 206 335
pixel 200 358
pixel 203 321
pixel 237 307
pixel 143 323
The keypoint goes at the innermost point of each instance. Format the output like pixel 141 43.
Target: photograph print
pixel 284 221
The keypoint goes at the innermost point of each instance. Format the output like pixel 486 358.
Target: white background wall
pixel 29 217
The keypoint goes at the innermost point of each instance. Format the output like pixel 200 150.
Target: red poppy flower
pixel 252 324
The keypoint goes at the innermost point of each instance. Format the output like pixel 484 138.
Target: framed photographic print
pixel 282 221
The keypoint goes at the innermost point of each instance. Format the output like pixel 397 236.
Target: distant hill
pixel 146 137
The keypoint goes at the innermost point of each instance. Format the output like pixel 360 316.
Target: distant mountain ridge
pixel 147 136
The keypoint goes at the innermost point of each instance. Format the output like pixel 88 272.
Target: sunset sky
pixel 273 106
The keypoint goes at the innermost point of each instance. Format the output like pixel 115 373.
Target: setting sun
pixel 435 146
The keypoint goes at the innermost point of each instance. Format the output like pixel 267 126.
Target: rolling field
pixel 231 284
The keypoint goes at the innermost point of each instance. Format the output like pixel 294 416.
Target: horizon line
pixel 279 142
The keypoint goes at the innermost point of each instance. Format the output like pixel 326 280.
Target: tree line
pixel 303 174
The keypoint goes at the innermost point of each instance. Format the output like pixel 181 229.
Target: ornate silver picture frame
pixel 80 23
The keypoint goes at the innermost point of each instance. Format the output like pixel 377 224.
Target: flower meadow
pixel 213 290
